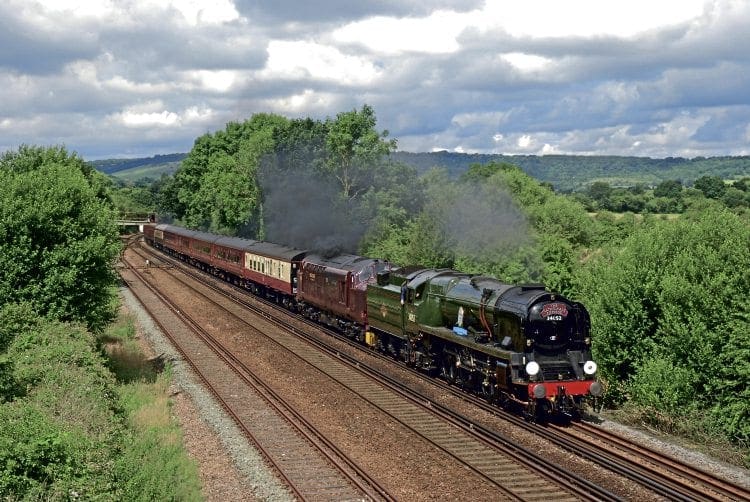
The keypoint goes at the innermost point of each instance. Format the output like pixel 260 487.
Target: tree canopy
pixel 228 176
pixel 354 147
pixel 671 320
pixel 58 239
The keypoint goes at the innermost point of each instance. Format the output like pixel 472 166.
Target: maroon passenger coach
pixel 249 263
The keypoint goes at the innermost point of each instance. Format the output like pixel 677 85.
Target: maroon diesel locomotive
pixel 334 290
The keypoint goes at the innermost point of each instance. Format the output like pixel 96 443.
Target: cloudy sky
pixel 133 78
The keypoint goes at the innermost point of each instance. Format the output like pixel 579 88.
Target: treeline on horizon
pixel 566 173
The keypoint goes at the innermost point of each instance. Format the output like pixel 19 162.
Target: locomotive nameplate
pixel 554 311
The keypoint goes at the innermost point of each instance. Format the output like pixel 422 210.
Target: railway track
pixel 311 466
pixel 664 476
pixel 518 473
pixel 687 482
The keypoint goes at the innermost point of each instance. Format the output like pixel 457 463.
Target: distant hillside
pixel 565 172
pixel 114 166
pixel 135 170
pixel 573 172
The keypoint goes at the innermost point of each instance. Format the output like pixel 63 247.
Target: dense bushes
pixel 61 433
pixel 671 323
pixel 58 238
pixel 64 432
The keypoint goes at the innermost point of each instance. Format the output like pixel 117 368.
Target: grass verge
pixel 155 464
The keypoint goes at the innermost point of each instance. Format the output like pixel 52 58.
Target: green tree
pixel 387 210
pixel 622 201
pixel 58 238
pixel 712 187
pixel 301 145
pixel 665 205
pixel 742 184
pixel 670 291
pixel 600 191
pixel 216 186
pixel 355 148
pixel 668 188
pixel 734 197
pixel 481 172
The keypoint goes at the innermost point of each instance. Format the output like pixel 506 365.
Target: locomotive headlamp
pixel 589 367
pixel 532 368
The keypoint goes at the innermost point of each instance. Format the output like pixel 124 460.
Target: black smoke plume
pixel 483 220
pixel 306 210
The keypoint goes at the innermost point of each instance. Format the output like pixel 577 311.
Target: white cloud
pixel 197 12
pixel 433 34
pixel 301 60
pixel 133 119
pixel 548 149
pixel 585 18
pixel 524 141
pixel 440 31
pixel 526 62
pixel 78 8
pixel 141 116
pixel 193 12
pixel 541 76
pixel 219 81
pixel 306 101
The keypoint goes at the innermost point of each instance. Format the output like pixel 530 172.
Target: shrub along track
pixel 500 468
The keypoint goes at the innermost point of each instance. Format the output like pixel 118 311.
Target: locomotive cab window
pixel 418 293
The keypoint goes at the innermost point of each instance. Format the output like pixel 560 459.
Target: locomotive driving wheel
pixel 449 370
pixel 488 391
